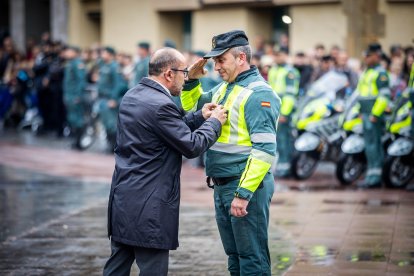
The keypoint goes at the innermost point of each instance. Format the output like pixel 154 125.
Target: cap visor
pixel 215 53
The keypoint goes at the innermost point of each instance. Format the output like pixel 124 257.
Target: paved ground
pixel 53 208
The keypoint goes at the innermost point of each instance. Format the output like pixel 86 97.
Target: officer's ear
pixel 242 58
pixel 168 75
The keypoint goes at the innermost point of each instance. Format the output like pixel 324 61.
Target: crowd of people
pixel 36 77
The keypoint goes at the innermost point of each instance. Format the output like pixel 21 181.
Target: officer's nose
pixel 217 66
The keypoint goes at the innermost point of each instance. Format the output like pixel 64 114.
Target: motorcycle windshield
pixel 329 84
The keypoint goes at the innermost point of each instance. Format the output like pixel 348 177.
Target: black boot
pixel 77 135
pixel 111 138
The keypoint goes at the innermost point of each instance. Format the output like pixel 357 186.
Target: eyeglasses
pixel 185 71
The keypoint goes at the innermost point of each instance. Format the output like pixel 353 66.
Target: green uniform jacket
pixel 141 70
pixel 110 87
pixel 74 81
pixel 261 112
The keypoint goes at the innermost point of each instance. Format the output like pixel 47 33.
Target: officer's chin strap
pixel 208 182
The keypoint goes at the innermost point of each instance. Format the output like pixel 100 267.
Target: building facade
pixel 350 24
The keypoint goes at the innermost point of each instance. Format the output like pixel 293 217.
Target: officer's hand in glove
pixel 197 70
pixel 220 113
pixel 208 110
pixel 239 207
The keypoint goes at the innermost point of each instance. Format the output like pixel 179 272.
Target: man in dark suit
pixel 152 136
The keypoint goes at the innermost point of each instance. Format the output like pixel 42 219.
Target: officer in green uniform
pixel 374 96
pixel 410 87
pixel 141 67
pixel 239 162
pixel 284 79
pixel 74 83
pixel 110 92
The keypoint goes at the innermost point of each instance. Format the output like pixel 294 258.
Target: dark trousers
pixel 150 261
pixel 245 239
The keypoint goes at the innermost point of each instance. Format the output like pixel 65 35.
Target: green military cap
pixel 170 43
pixel 223 42
pixel 374 48
pixel 281 50
pixel 143 44
pixel 199 53
pixel 72 47
pixel 110 50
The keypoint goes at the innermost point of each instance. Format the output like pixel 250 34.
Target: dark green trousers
pixel 374 151
pixel 285 148
pixel 75 115
pixel 245 240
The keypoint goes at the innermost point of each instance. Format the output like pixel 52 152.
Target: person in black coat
pixel 152 136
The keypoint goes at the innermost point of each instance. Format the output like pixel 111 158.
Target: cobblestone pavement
pixel 53 220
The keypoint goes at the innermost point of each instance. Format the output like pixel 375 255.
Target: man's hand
pixel 111 103
pixel 220 113
pixel 238 207
pixel 197 70
pixel 208 109
pixel 373 119
pixel 282 119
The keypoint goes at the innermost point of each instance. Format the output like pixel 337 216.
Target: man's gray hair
pixel 161 60
pixel 242 49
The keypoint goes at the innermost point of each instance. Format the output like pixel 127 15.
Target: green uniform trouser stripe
pixel 230 148
pixel 263 138
pixel 245 239
pixel 283 166
pixel 374 172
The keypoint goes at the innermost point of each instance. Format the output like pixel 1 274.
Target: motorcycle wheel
pixel 304 165
pixel 397 173
pixel 349 169
pixel 88 137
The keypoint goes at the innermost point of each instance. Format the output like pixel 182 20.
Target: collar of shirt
pixel 165 88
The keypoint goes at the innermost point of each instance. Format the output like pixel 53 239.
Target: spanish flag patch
pixel 266 104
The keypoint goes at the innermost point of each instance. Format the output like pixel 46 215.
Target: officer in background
pixel 374 96
pixel 239 162
pixel 284 80
pixel 74 83
pixel 110 93
pixel 142 65
pixel 411 96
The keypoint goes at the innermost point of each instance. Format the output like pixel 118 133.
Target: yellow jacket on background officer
pixel 374 96
pixel 284 79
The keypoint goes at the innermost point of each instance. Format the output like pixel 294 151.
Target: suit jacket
pixel 152 136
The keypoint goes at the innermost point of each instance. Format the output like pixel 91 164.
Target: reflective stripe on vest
pixel 235 136
pixel 277 80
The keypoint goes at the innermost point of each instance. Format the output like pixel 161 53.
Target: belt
pixel 220 181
